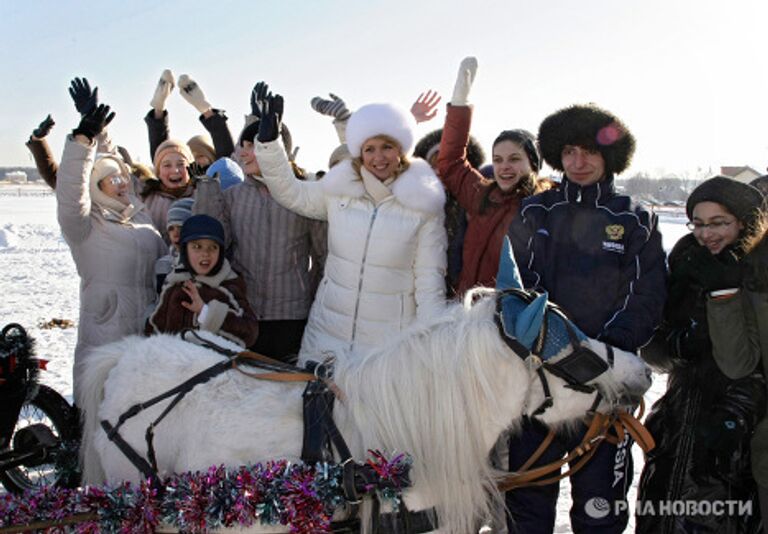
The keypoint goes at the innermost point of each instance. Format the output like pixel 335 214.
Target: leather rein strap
pixel 597 432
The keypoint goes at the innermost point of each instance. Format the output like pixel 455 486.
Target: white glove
pixel 164 87
pixel 464 79
pixel 193 94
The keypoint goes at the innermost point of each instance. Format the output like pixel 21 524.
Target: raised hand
pixel 85 98
pixel 165 85
pixel 271 121
pixel 259 96
pixel 193 94
pixel 464 80
pixel 195 170
pixel 335 107
pixel 94 122
pixel 424 109
pixel 196 302
pixel 44 128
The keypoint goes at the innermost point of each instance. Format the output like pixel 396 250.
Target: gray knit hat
pixel 180 211
pixel 743 200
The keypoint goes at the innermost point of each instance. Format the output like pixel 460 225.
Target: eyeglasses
pixel 116 179
pixel 717 226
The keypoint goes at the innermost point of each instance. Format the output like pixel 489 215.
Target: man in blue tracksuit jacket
pixel 600 257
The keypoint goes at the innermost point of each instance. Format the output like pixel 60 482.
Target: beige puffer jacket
pixel 114 254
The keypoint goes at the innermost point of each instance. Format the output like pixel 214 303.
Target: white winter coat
pixel 386 264
pixel 114 254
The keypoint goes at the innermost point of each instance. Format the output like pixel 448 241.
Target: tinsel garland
pixel 300 496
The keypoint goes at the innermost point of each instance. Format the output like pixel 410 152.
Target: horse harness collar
pixel 577 368
pixel 320 431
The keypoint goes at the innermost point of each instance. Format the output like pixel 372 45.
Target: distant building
pixel 16 177
pixel 742 174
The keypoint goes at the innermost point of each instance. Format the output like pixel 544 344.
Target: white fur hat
pixel 380 119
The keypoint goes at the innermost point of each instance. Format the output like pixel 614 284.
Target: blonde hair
pixel 357 162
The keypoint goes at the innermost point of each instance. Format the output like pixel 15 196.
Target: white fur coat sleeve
pixel 304 198
pixel 429 269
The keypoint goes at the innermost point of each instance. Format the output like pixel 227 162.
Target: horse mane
pixel 436 393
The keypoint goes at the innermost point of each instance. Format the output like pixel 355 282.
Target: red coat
pixel 485 231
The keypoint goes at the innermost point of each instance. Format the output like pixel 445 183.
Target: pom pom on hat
pixel 180 211
pixel 743 200
pixel 171 146
pixel 230 173
pixel 201 145
pixel 590 127
pixel 372 120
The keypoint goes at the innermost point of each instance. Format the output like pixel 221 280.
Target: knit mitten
pixel 164 87
pixel 464 80
pixel 193 94
pixel 335 107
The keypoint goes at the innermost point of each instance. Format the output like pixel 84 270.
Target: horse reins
pixel 622 423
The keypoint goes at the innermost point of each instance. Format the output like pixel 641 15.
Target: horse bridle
pixel 577 368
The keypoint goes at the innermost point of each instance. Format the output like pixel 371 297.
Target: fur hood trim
pixel 418 188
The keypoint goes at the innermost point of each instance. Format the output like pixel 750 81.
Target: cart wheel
pixel 45 421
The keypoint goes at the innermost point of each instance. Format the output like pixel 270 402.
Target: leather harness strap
pixel 596 433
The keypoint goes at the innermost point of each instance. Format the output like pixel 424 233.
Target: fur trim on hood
pixel 418 188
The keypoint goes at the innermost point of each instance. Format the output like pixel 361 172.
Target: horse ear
pixel 508 275
pixel 528 322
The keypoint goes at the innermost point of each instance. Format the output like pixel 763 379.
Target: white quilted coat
pixel 386 264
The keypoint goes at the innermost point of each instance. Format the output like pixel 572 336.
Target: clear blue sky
pixel 688 77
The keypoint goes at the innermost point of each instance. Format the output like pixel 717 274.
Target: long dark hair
pixel 526 186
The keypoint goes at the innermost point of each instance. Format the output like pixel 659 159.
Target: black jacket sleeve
pixel 216 125
pixel 157 130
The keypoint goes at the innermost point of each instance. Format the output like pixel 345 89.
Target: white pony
pixel 442 392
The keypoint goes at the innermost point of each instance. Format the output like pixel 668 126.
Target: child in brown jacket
pixel 204 292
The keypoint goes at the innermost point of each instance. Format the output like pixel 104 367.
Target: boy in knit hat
pixel 178 213
pixel 203 291
pixel 600 258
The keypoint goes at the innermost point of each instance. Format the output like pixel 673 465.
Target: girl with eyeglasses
pixel 111 237
pixel 710 443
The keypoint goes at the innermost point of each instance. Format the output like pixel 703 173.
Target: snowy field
pixel 39 284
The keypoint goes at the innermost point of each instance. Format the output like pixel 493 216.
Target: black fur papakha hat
pixel 743 200
pixel 590 127
pixel 430 143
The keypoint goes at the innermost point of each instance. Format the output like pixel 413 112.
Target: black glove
pixel 195 171
pixel 690 342
pixel 94 122
pixel 44 128
pixel 259 96
pixel 269 126
pixel 85 99
pixel 714 272
pixel 718 439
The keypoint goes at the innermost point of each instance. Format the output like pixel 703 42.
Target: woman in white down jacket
pixel 386 241
pixel 111 237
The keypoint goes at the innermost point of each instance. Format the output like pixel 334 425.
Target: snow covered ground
pixel 39 283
